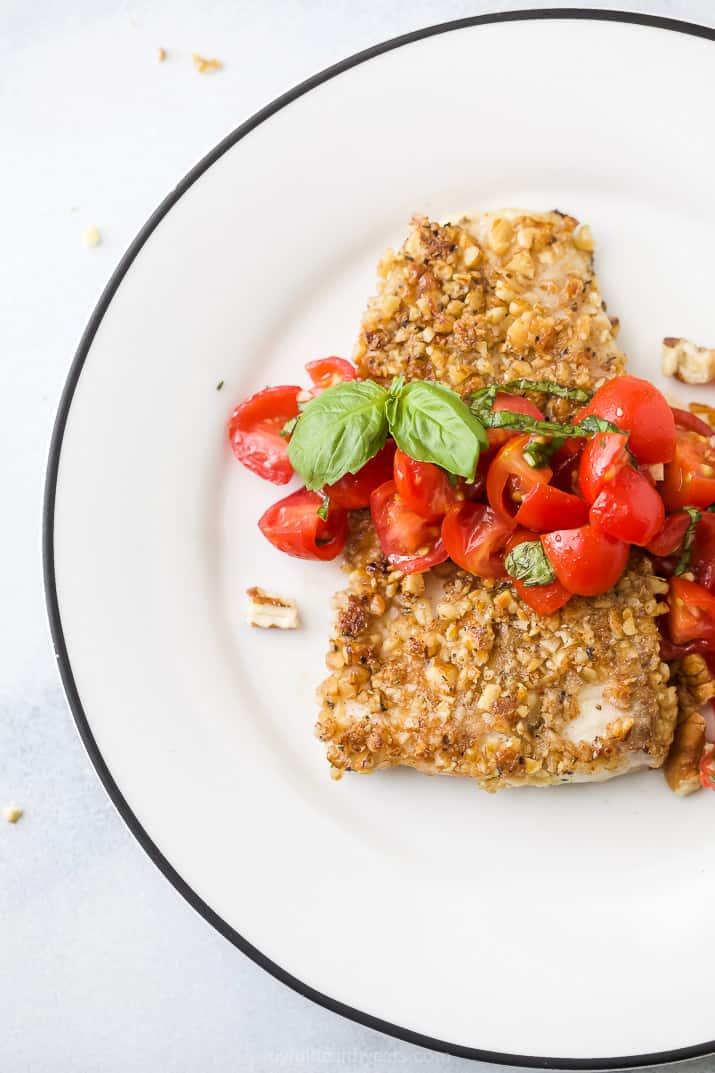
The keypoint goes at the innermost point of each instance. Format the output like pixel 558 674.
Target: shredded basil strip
pixel 686 550
pixel 482 401
pixel 527 563
pixel 289 427
pixel 546 387
pixel 525 423
pixel 539 451
pixel 323 509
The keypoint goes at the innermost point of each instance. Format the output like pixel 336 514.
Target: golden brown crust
pixel 452 674
pixel 490 298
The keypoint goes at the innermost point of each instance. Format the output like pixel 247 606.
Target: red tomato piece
pixel 543 599
pixel 353 490
pixel 586 562
pixel 628 508
pixel 602 459
pixel 692 613
pixel 689 479
pixel 475 539
pixel 702 559
pixel 292 525
pixel 326 372
pixel 424 487
pixel 545 508
pixel 707 767
pixel 510 477
pixel 669 538
pixel 684 419
pixel 636 406
pixel 412 544
pixel 254 432
pixel 565 465
pixel 515 404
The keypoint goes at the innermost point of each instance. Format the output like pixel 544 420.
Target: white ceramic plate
pixel 557 927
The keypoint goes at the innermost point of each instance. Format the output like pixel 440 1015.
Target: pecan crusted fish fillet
pixel 448 673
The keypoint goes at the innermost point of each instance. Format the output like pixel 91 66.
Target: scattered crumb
pixel 688 362
pixel 161 54
pixel 271 612
pixel 12 814
pixel 91 236
pixel 220 385
pixel 204 66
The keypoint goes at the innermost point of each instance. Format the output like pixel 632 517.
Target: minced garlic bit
pixel 161 54
pixel 204 66
pixel 91 236
pixel 12 813
pixel 271 612
pixel 688 362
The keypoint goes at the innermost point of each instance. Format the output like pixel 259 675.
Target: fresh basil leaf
pixel 323 509
pixel 686 549
pixel 546 387
pixel 527 563
pixel 397 385
pixel 431 423
pixel 289 427
pixel 338 432
pixel 539 450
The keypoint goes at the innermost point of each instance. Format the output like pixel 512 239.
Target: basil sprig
pixel 341 429
pixel 686 548
pixel 527 563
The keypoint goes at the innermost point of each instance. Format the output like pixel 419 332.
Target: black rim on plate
pixel 55 620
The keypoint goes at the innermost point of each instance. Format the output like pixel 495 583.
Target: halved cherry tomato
pixel 628 508
pixel 254 432
pixel 515 404
pixel 353 490
pixel 544 599
pixel 670 536
pixel 510 477
pixel 692 613
pixel 424 487
pixel 684 419
pixel 603 457
pixel 702 559
pixel 474 538
pixel 639 408
pixel 585 561
pixel 411 543
pixel 292 525
pixel 689 479
pixel 545 508
pixel 707 767
pixel 326 372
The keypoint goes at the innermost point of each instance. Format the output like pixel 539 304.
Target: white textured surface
pixel 105 967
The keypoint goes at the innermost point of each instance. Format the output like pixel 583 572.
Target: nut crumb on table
pixel 12 813
pixel 161 54
pixel 205 66
pixel 91 236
